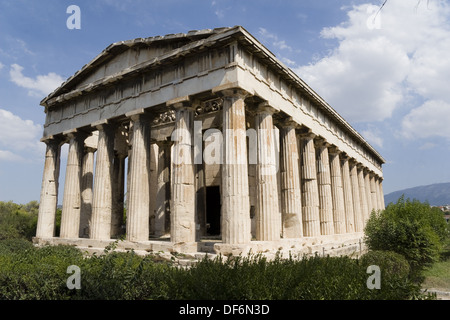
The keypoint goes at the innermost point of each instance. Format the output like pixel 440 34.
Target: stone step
pixel 207 247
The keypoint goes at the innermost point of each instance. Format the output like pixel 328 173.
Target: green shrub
pixel 410 228
pixel 37 273
pixel 41 273
pixel 8 246
pixel 313 278
pixel 396 283
pixel 18 221
pixel 391 263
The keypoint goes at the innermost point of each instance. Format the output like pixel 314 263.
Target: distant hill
pixel 437 194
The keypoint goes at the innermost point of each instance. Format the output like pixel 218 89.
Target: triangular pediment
pixel 125 55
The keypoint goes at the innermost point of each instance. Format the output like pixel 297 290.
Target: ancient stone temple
pixel 202 141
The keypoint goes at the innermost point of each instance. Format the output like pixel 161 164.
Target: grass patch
pixel 438 275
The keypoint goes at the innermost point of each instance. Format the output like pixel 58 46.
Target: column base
pixel 334 245
pixel 141 247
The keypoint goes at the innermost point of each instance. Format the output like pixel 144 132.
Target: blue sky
pixel 387 76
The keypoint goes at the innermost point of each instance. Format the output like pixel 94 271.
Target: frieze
pixel 204 107
pixel 209 106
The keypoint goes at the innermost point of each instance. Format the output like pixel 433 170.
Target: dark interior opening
pixel 213 211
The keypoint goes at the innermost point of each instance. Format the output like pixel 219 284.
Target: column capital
pixel 265 107
pixel 181 103
pixel 90 149
pixel 360 166
pixel 366 170
pixel 344 156
pixel 164 143
pixel 289 123
pixel 333 150
pixel 231 92
pixel 307 135
pixel 54 140
pixel 103 125
pixel 77 134
pixel 352 162
pixel 322 143
pixel 139 115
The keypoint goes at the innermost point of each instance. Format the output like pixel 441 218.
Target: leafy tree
pixel 410 228
pixel 18 221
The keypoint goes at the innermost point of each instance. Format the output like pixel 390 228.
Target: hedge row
pixel 27 272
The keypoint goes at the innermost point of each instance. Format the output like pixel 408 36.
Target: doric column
pixel 235 192
pixel 49 190
pixel 138 212
pixel 103 190
pixel 380 186
pixel 348 195
pixel 310 190
pixel 368 194
pixel 357 207
pixel 362 195
pixel 291 204
pixel 163 187
pixel 183 184
pixel 268 226
pixel 377 191
pixel 70 218
pixel 373 191
pixel 324 184
pixel 87 183
pixel 337 192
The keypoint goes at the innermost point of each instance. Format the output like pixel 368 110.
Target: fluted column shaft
pixel 268 226
pixel 235 193
pixel 373 192
pixel 290 183
pixel 310 191
pixel 357 207
pixel 138 212
pixel 325 195
pixel 49 190
pixel 70 218
pixel 163 187
pixel 103 189
pixel 183 176
pixel 87 183
pixel 377 192
pixel 363 196
pixel 368 194
pixel 348 196
pixel 337 192
pixel 380 185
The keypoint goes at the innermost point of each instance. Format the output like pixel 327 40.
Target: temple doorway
pixel 213 206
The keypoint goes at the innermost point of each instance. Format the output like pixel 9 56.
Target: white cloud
pixel 220 13
pixel 23 46
pixel 18 136
pixel 267 36
pixel 8 156
pixel 427 146
pixel 42 85
pixel 432 119
pixel 1 66
pixel 379 64
pixel 287 61
pixel 373 136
